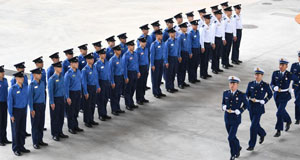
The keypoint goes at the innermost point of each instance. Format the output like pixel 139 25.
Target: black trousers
pixel 193 64
pixel 227 48
pixel 57 116
pixel 103 97
pixel 37 123
pixel 141 83
pixel 73 109
pixel 204 59
pixel 89 105
pixel 116 93
pixel 130 88
pixel 183 67
pixel 18 128
pixel 236 46
pixel 216 54
pixel 156 77
pixel 171 71
pixel 3 121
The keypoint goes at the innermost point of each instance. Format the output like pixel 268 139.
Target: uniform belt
pixel 282 90
pixel 255 100
pixel 230 111
pixel 218 37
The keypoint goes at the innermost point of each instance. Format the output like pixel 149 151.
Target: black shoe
pixel 7 141
pixel 235 62
pixel 232 158
pixel 181 86
pixel 147 88
pixel 146 101
pixel 45 129
pixel 27 134
pixel 214 72
pixel 193 82
pixel 115 113
pixel 250 149
pixel 129 108
pixel 163 95
pixel 17 153
pixel 72 131
pixel 24 150
pixel 94 123
pixel 277 134
pixel 288 126
pixel 107 117
pixel 261 139
pixel 239 153
pixel 240 61
pixel 225 67
pixel 197 80
pixel 203 77
pixel 134 106
pixel 156 96
pixel 2 144
pixel 43 143
pixel 35 146
pixel 170 91
pixel 185 85
pixel 175 90
pixel 220 70
pixel 297 122
pixel 102 118
pixel 63 136
pixel 78 129
pixel 209 76
pixel 140 102
pixel 229 65
pixel 56 138
pixel 88 125
pixel 121 111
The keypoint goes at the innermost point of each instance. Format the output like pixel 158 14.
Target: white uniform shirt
pixel 238 20
pixel 217 30
pixel 205 35
pixel 229 25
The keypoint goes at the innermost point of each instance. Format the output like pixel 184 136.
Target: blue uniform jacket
pixel 56 87
pixel 130 63
pixel 172 48
pixel 72 81
pixel 156 51
pixel 116 68
pixel 36 93
pixel 89 77
pixel 3 90
pixel 17 98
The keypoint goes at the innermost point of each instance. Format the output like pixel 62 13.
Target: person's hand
pixel 237 112
pixel 202 50
pixel 167 65
pixel 224 107
pixel 86 96
pixel 213 46
pixel 191 55
pixel 139 75
pixel 291 90
pixel 98 90
pixel 153 68
pixel 224 42
pixel 276 88
pixel 12 119
pixel 262 102
pixel 179 59
pixel 113 85
pixel 53 107
pixel 69 101
pixel 32 113
pixel 234 38
pixel 126 80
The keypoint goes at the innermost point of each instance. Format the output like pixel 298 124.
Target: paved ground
pixel 189 124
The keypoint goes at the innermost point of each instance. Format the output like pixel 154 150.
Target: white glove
pixel 291 90
pixel 237 112
pixel 276 88
pixel 262 102
pixel 224 107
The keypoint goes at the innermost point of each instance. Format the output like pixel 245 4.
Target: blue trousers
pixel 182 67
pixel 171 71
pixel 3 121
pixel 236 46
pixel 89 105
pixel 116 93
pixel 73 109
pixel 18 128
pixel 204 59
pixel 193 64
pixel 156 76
pixel 57 116
pixel 130 88
pixel 227 48
pixel 103 97
pixel 234 143
pixel 141 83
pixel 282 115
pixel 37 123
pixel 255 129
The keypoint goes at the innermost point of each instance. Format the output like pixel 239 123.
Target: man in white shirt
pixel 239 27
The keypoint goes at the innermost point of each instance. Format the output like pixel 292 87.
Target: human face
pixel 58 69
pixel 233 86
pixel 90 61
pixel 20 80
pixel 258 77
pixel 145 31
pixel 74 65
pixel 131 48
pixel 283 67
pixel 184 30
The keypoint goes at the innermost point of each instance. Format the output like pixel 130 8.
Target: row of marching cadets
pixel 258 93
pixel 90 80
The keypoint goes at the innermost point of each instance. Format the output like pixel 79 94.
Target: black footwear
pixel 129 108
pixel 232 158
pixel 208 76
pixel 229 65
pixel 197 80
pixel 115 113
pixel 94 123
pixel 107 117
pixel 7 141
pixel 185 85
pixel 193 82
pixel 78 129
pixel 134 106
pixel 27 134
pixel 81 111
pixel 297 122
pixel 43 143
pixel 121 111
pixel 24 150
pixel 147 88
pixel 240 61
pixel 35 146
pixel 235 62
pixel 156 96
pixel 277 134
pixel 220 70
pixel 250 149
pixel 45 129
pixel 239 153
pixel 17 153
pixel 203 77
pixel 88 125
pixel 170 91
pixel 181 86
pixel 288 126
pixel 261 139
pixel 102 118
pixel 175 90
pixel 56 138
pixel 140 102
pixel 72 131
pixel 214 72
pixel 162 95
pixel 63 136
pixel 225 67
pixel 146 101
pixel 2 144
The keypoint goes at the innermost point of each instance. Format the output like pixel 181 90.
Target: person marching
pixel 295 69
pixel 259 93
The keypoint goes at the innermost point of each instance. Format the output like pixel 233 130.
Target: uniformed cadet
pixel 83 52
pixel 3 107
pixel 195 59
pixel 156 26
pixel 213 9
pixel 66 64
pixel 171 58
pixel 224 5
pixel 185 54
pixel 230 36
pixel 169 23
pixel 17 109
pixel 190 18
pixel 282 94
pixel 55 58
pixel 239 27
pixel 37 105
pixel 258 93
pixel 116 80
pixel 90 85
pixel 179 19
pixel 202 12
pixel 234 103
pixel 218 41
pixel 72 83
pixel 122 37
pixel 56 91
pixel 103 70
pixel 111 43
pixel 206 48
pixel 156 59
pixel 131 74
pixel 39 63
pixel 97 46
pixel 143 60
pixel 295 69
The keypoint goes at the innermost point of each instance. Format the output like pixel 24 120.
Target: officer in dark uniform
pixel 156 26
pixel 234 103
pixel 83 52
pixel 66 64
pixel 37 104
pixel 258 93
pixel 3 107
pixel 111 43
pixel 295 69
pixel 143 60
pixel 123 38
pixel 97 46
pixel 17 109
pixel 195 58
pixel 55 58
pixel 56 91
pixel 282 94
pixel 72 83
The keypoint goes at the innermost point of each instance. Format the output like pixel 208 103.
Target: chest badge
pixel 57 80
pixel 142 53
pixel 90 72
pixel 158 46
pixel 18 92
pixel 73 75
pixel 184 39
pixel 172 45
pixel 82 62
pixel 195 36
pixel 102 67
pixel 237 98
pixel 131 58
pixel 262 89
